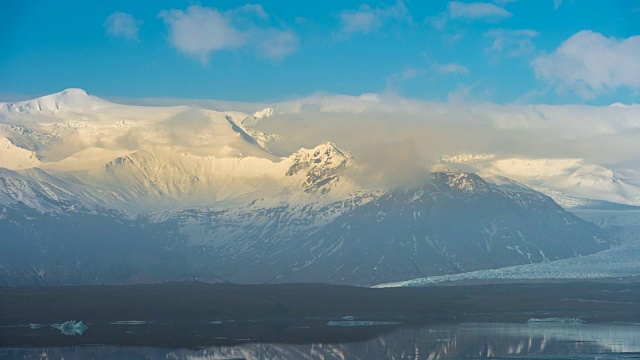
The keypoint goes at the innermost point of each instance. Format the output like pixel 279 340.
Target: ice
pixel 350 323
pixel 555 320
pixel 72 327
pixel 129 322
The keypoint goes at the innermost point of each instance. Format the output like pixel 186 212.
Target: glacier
pixel 618 262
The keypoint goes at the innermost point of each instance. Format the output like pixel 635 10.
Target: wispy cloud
pixel 366 19
pixel 200 31
pixel 461 95
pixel 512 43
pixel 591 64
pixel 408 73
pixel 121 24
pixel 477 11
pixel 451 68
pixel 431 68
pixel 557 4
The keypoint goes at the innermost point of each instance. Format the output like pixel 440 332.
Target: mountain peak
pixel 322 166
pixel 328 154
pixel 331 148
pixel 75 92
pixel 462 182
pixel 264 113
pixel 68 99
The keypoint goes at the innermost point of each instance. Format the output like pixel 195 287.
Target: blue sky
pixel 502 51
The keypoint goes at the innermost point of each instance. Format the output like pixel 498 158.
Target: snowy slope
pixel 14 158
pixel 69 100
pixel 571 182
pixel 143 159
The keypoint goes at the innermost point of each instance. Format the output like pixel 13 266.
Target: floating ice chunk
pixel 72 327
pixel 34 326
pixel 555 320
pixel 348 323
pixel 129 322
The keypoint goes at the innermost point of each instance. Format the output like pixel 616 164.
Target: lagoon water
pixel 463 341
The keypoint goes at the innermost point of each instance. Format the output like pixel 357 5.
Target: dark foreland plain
pixel 193 314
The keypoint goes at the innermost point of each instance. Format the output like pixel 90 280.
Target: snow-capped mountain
pixel 190 193
pixel 142 159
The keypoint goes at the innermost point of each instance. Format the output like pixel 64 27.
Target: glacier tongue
pixel 614 263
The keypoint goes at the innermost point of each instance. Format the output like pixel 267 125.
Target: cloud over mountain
pixel 437 129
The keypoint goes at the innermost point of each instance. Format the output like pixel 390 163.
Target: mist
pixel 396 139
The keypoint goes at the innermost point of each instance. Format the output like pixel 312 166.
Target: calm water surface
pixel 465 341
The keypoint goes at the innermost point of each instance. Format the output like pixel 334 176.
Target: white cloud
pixel 431 68
pixel 591 64
pixel 461 95
pixel 200 31
pixel 367 19
pixel 276 44
pixel 477 10
pixel 121 24
pixel 512 42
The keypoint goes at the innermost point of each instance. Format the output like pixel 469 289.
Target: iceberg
pixel 72 327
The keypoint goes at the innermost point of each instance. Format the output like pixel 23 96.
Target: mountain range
pixel 95 192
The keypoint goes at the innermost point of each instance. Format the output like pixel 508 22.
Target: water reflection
pixel 540 341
